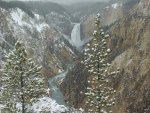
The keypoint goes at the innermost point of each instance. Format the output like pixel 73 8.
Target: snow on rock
pixel 41 27
pixel 48 105
pixel 44 104
pixel 116 5
pixel 22 19
pixel 60 70
pixel 37 16
pixel 107 7
pixel 1 107
pixel 17 16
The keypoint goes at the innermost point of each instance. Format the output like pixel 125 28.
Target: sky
pixel 62 1
pixel 73 1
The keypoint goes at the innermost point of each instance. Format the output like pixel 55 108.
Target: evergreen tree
pixel 99 94
pixel 69 90
pixel 21 80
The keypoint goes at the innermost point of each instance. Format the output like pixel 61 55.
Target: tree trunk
pixel 22 95
pixel 23 104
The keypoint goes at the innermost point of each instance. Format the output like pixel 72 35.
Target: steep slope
pixel 87 27
pixel 16 4
pixel 54 14
pixel 111 13
pixel 130 48
pixel 42 41
pixel 130 42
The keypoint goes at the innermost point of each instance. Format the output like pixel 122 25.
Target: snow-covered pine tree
pixel 21 80
pixel 99 93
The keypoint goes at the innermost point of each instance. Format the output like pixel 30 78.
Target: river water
pixel 55 92
pixel 76 41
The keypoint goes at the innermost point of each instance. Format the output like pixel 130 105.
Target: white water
pixel 76 37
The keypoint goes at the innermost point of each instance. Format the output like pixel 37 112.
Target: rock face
pixel 128 26
pixel 87 27
pixel 130 45
pixel 111 13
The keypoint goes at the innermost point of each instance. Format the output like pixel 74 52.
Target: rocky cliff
pixel 130 45
pixel 128 26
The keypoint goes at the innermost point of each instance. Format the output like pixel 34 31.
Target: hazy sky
pixel 62 1
pixel 73 1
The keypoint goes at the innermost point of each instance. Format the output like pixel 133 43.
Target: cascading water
pixel 75 36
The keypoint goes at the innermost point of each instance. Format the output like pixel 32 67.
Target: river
pixel 76 41
pixel 56 94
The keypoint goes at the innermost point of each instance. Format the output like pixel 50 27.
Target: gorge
pixel 55 37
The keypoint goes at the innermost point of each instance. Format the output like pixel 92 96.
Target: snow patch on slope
pixel 20 18
pixel 48 105
pixel 116 5
pixel 1 107
pixel 16 16
pixel 44 104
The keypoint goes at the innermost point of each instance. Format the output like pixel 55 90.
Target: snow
pixel 22 19
pixel 60 70
pixel 107 7
pixel 116 5
pixel 37 16
pixel 43 104
pixel 40 27
pixel 48 105
pixel 16 16
pixel 1 107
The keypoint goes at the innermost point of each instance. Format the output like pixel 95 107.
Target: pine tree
pixel 99 94
pixel 70 90
pixel 21 80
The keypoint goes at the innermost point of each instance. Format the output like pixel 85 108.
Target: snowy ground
pixel 47 104
pixel 43 104
pixel 116 5
pixel 1 107
pixel 18 15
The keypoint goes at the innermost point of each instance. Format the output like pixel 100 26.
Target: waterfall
pixel 75 36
